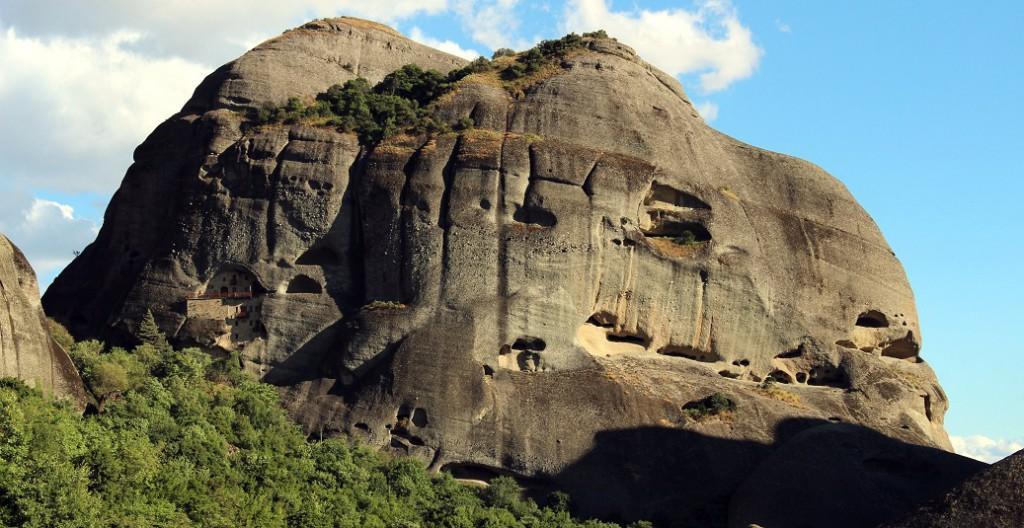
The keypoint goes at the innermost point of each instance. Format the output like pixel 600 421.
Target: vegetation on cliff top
pixel 182 440
pixel 404 101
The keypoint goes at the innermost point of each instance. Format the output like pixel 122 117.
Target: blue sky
pixel 915 106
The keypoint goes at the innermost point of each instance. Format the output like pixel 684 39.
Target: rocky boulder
pixel 993 498
pixel 844 476
pixel 549 293
pixel 27 351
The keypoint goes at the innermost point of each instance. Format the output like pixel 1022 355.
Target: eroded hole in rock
pixel 471 472
pixel 396 443
pixel 535 216
pixel 419 417
pixel 488 371
pixel 846 343
pixel 741 362
pixel 927 406
pixel 728 374
pixel 362 427
pixel 679 232
pixel 304 284
pixel 485 204
pixel 794 353
pixel 623 337
pixel 319 256
pixel 872 319
pixel 828 376
pixel 602 319
pixel 528 361
pixel 689 352
pixel 404 420
pixel 529 343
pixel 665 195
pixel 780 376
pixel 801 377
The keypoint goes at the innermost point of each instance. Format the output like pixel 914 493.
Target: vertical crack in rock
pixel 443 220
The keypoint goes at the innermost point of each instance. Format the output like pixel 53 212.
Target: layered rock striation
pixel 27 351
pixel 540 295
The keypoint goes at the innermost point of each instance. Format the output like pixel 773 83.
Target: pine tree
pixel 150 333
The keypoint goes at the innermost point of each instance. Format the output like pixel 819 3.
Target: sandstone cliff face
pixel 26 349
pixel 522 297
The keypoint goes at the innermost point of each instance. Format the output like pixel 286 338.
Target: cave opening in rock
pixel 529 343
pixel 528 361
pixel 872 319
pixel 679 232
pixel 663 194
pixel 304 284
pixel 623 337
pixel 602 319
pixel 691 353
pixel 535 215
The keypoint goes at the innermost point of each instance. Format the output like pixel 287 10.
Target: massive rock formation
pixel 541 295
pixel 26 349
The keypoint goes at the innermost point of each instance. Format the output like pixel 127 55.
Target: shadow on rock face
pixel 816 474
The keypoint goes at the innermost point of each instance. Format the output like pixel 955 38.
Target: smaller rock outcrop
pixel 26 349
pixel 993 498
pixel 845 476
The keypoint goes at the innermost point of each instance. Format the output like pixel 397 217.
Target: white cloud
pixel 710 40
pixel 980 447
pixel 47 232
pixel 782 26
pixel 449 46
pixel 73 109
pixel 708 110
pixel 198 30
pixel 492 23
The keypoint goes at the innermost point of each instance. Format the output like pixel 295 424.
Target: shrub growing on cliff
pixel 192 441
pixel 713 405
pixel 396 104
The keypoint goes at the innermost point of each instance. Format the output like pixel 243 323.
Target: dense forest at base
pixel 182 439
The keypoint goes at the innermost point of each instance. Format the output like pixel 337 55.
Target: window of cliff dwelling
pixel 872 319
pixel 668 195
pixel 304 284
pixel 529 343
pixel 319 256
